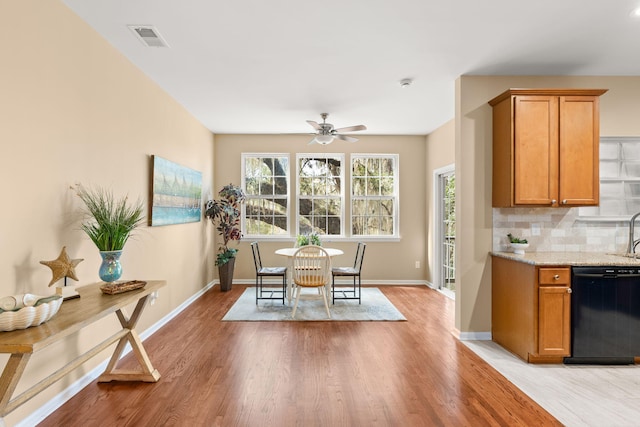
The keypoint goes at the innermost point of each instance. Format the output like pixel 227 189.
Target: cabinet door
pixel 535 150
pixel 554 317
pixel 579 182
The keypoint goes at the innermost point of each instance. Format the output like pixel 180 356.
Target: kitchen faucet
pixel 631 246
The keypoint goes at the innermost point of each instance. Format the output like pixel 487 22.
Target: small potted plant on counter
pixel 518 244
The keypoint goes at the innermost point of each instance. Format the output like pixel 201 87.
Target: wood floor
pixel 413 373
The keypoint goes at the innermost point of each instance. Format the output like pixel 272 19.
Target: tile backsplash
pixel 558 230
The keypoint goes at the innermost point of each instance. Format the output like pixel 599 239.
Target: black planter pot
pixel 225 273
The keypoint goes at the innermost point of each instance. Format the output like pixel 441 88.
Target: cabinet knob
pixel 556 277
pixel 569 290
pixel 554 201
pixel 564 202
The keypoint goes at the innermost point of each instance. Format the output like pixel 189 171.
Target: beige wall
pixel 75 110
pixel 440 153
pixel 619 112
pixel 72 110
pixel 384 262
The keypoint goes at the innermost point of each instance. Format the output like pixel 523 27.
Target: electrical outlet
pixel 535 229
pixel 417 264
pixel 153 297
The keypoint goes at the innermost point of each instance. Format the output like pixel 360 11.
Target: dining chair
pixel 262 272
pixel 311 269
pixel 355 272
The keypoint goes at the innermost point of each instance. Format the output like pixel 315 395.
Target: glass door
pixel 445 216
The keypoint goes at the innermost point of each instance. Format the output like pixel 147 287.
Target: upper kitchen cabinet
pixel 545 147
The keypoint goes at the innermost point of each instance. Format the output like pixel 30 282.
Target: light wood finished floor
pixel 577 395
pixel 413 373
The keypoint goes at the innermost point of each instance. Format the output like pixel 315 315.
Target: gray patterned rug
pixel 375 307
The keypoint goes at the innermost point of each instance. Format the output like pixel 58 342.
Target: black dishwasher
pixel 605 315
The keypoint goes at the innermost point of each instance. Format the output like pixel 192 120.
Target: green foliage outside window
pixel 373 197
pixel 267 185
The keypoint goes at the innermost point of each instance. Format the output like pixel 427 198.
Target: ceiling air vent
pixel 148 35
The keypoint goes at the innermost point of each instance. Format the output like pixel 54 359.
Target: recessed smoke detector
pixel 405 83
pixel 148 35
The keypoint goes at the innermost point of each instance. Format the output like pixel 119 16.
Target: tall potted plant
pixel 225 213
pixel 109 222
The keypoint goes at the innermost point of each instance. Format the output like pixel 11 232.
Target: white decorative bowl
pixel 518 248
pixel 29 316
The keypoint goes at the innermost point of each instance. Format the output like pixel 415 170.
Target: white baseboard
pixel 48 408
pixel 475 336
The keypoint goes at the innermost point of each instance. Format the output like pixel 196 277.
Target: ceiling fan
pixel 326 132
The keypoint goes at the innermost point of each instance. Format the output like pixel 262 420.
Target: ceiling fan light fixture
pixel 324 139
pixel 326 133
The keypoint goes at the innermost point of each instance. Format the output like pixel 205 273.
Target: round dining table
pixel 288 252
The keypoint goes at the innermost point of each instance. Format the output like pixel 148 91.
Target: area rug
pixel 375 307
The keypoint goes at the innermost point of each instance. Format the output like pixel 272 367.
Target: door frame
pixel 438 228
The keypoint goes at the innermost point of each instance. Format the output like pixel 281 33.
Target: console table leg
pixel 13 370
pixel 148 373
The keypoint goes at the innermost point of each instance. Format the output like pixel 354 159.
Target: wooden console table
pixel 74 315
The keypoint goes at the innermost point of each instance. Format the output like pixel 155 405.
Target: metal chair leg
pixel 257 286
pixel 333 290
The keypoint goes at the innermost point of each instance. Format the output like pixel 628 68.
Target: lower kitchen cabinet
pixel 554 320
pixel 531 310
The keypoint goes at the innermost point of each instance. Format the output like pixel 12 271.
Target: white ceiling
pixel 256 66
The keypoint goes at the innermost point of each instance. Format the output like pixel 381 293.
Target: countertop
pixel 570 258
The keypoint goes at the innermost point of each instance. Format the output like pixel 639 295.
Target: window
pixel 320 194
pixel 619 180
pixel 374 195
pixel 266 184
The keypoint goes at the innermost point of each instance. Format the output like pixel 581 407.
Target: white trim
pixel 438 221
pixel 447 293
pixel 396 193
pixel 339 156
pixel 475 336
pixel 243 216
pixel 49 407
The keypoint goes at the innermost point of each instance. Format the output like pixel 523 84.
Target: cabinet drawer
pixel 554 276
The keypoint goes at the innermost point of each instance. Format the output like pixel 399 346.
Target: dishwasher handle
pixel 605 276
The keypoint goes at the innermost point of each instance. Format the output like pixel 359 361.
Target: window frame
pixel 396 196
pixel 593 213
pixel 342 197
pixel 243 222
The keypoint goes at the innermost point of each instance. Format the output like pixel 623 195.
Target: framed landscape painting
pixel 176 193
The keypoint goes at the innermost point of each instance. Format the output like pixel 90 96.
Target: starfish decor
pixel 63 266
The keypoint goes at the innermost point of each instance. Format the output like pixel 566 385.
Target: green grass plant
pixel 109 220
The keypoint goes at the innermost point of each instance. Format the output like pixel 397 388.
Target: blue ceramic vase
pixel 110 269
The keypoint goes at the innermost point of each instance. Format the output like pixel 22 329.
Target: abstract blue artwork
pixel 176 192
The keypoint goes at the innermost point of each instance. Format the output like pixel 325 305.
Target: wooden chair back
pixel 311 266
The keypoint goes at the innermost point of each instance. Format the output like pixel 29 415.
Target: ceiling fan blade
pixel 346 138
pixel 313 124
pixel 313 141
pixel 351 128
